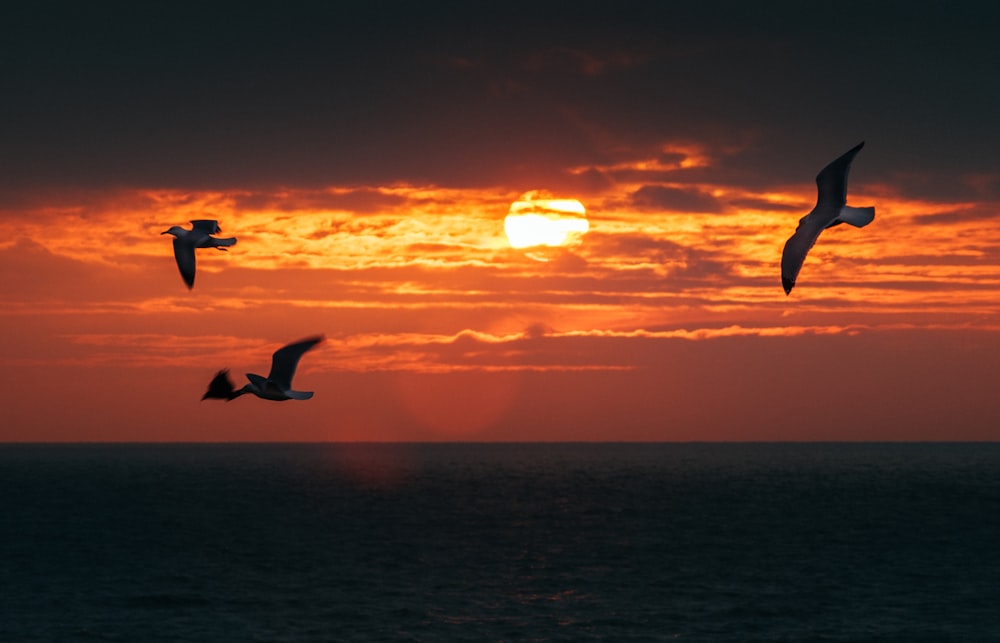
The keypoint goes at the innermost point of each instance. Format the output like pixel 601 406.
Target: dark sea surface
pixel 500 542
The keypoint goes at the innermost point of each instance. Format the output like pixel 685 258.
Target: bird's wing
pixel 831 182
pixel 184 254
pixel 215 242
pixel 286 358
pixel 220 387
pixel 210 226
pixel 797 247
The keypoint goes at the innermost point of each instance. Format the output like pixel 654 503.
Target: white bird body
pixel 266 388
pixel 276 386
pixel 199 236
pixel 831 209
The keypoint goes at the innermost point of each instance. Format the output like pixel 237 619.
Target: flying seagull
pixel 831 209
pixel 199 236
pixel 278 383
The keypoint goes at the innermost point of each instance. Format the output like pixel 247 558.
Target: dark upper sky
pixel 462 94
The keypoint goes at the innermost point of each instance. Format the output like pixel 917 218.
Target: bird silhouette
pixel 278 383
pixel 199 236
pixel 831 209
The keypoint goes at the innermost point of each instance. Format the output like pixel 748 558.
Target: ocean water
pixel 500 542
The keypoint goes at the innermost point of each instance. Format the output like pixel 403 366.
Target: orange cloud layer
pixel 403 277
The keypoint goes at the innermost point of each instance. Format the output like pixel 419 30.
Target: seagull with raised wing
pixel 831 209
pixel 199 236
pixel 278 383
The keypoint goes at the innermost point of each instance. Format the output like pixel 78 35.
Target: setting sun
pixel 536 219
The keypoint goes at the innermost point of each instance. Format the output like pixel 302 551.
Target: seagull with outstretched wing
pixel 831 209
pixel 199 236
pixel 278 383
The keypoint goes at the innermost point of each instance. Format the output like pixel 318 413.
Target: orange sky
pixel 667 322
pixel 662 325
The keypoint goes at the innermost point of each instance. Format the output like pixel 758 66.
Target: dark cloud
pixel 741 168
pixel 358 201
pixel 58 202
pixel 682 265
pixel 986 212
pixel 587 182
pixel 635 245
pixel 941 185
pixel 659 197
pixel 764 204
pixel 318 94
pixel 588 62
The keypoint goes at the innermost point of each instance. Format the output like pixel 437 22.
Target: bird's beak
pixel 165 232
